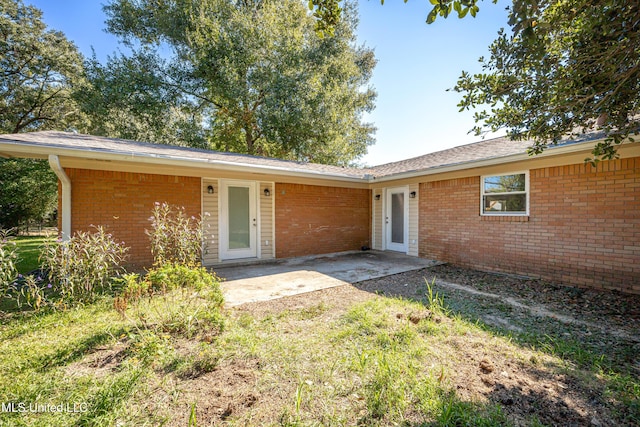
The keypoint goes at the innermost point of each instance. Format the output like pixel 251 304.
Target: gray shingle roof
pixel 98 144
pixel 81 144
pixel 483 150
pixel 494 148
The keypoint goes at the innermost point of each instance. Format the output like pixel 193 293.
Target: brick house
pixel 486 205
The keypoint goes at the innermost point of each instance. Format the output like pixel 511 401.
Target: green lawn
pixel 29 251
pixel 335 357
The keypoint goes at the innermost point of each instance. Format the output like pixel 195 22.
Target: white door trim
pixel 388 220
pixel 254 221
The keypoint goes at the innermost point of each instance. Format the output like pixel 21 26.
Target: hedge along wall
pixel 311 219
pixel 123 203
pixel 583 228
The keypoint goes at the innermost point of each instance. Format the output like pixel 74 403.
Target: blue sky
pixel 417 63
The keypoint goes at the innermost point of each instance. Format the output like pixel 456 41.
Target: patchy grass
pixel 93 361
pixel 340 356
pixel 29 249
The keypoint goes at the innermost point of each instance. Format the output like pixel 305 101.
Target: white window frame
pixel 500 213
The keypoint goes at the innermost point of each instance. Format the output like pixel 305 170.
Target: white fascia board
pixel 134 157
pixel 131 156
pixel 493 161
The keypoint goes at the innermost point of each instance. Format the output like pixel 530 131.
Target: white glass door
pixel 397 219
pixel 238 222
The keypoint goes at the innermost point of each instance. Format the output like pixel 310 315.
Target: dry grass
pixel 341 356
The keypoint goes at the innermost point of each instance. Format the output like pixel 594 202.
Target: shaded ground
pixel 593 329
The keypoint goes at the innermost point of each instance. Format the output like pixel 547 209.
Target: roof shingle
pixel 495 148
pixel 98 144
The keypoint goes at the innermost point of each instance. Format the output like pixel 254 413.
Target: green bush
pixel 175 236
pixel 84 267
pixel 171 276
pixel 191 302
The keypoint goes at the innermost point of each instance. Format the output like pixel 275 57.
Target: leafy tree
pixel 258 73
pixel 567 67
pixel 37 71
pixel 38 68
pixel 129 97
pixel 28 191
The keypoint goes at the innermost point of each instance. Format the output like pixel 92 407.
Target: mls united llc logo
pixel 22 407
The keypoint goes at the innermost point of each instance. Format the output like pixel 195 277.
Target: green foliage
pixel 28 192
pixel 39 68
pixel 175 236
pixel 435 302
pixel 30 290
pixel 128 98
pixel 256 72
pixel 444 8
pixel 83 267
pixel 172 276
pixel 8 258
pixel 567 69
pixel 327 14
pixel 193 419
pixel 384 394
pixel 191 300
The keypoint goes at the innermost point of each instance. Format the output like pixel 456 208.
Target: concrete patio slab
pixel 262 282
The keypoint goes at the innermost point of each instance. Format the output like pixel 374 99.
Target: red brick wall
pixel 583 228
pixel 316 219
pixel 122 202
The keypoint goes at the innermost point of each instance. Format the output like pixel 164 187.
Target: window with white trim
pixel 505 194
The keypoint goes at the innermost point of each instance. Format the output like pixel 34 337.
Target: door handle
pixel 254 222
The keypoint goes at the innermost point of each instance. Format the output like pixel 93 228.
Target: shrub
pixel 8 258
pixel 84 267
pixel 30 290
pixel 191 304
pixel 175 236
pixel 171 276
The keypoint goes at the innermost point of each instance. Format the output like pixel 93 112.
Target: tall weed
pixel 8 258
pixel 175 236
pixel 84 267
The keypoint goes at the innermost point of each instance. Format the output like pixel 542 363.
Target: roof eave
pixel 26 148
pixel 493 161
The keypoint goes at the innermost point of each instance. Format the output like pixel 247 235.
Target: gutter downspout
pixel 54 162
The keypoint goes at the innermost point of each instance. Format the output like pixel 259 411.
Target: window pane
pixel 506 203
pixel 239 221
pixel 504 183
pixel 397 217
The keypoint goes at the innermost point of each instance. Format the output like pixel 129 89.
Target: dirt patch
pixel 227 391
pixel 521 387
pixel 606 323
pixel 538 310
pixel 612 310
pixel 338 298
pixel 550 387
pixel 99 363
